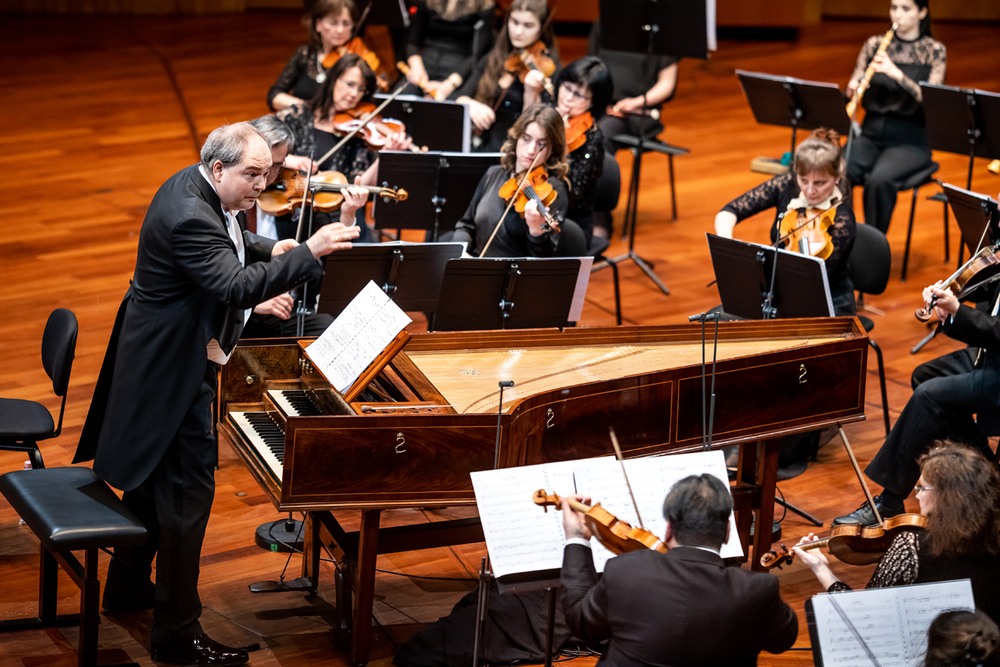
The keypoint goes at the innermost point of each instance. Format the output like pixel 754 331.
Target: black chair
pixel 919 179
pixel 70 509
pixel 609 187
pixel 572 240
pixel 24 423
pixel 868 266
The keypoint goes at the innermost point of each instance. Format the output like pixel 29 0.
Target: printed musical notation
pixel 892 622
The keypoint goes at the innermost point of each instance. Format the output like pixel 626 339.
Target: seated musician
pixel 314 126
pixel 496 97
pixel 445 41
pixel 274 316
pixel 583 90
pixel 959 492
pixel 962 638
pixel 538 138
pixel 812 187
pixel 682 608
pixel 331 29
pixel 956 396
pixel 636 90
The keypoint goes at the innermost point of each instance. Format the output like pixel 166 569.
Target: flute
pixel 852 106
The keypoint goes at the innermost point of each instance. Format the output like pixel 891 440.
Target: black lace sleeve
pixel 842 234
pixel 586 164
pixel 294 69
pixel 299 120
pixel 764 196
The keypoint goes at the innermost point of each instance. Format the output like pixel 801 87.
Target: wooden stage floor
pixel 99 111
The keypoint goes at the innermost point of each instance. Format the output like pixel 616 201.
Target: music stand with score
pixel 523 293
pixel 977 217
pixel 410 273
pixel 439 186
pixel 794 103
pixel 436 125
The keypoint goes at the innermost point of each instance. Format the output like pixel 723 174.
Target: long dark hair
pixel 503 48
pixel 590 71
pixel 925 23
pixel 966 516
pixel 555 133
pixel 322 101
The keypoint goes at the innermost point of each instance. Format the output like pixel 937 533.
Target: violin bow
pixel 305 198
pixel 861 478
pixel 364 121
pixel 621 460
pixel 361 20
pixel 520 186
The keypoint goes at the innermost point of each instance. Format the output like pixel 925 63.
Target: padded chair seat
pixel 71 508
pixel 24 420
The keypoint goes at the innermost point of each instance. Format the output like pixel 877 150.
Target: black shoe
pixel 118 603
pixel 864 515
pixel 202 651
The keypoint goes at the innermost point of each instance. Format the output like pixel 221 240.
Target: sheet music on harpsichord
pixel 523 537
pixel 892 622
pixel 359 334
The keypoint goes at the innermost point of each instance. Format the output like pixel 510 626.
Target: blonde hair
pixel 820 153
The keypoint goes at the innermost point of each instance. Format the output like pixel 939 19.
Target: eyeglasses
pixel 920 488
pixel 575 94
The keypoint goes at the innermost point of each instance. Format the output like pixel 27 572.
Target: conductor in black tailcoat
pixel 683 608
pixel 149 429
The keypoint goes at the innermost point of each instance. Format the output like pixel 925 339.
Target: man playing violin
pixel 684 607
pixel 538 139
pixel 956 396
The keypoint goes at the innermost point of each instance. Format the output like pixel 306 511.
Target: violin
pixel 576 130
pixel 533 187
pixel 618 536
pixel 533 58
pixel 429 88
pixel 852 544
pixel 980 268
pixel 358 46
pixel 812 226
pixel 286 193
pixel 374 132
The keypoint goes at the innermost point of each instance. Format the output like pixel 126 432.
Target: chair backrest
pixel 59 348
pixel 609 185
pixel 572 242
pixel 870 260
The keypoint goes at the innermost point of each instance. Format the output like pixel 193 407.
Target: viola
pixel 576 130
pixel 533 187
pixel 813 226
pixel 852 544
pixel 533 58
pixel 618 536
pixel 358 46
pixel 286 193
pixel 980 268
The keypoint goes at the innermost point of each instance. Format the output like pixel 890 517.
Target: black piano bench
pixel 70 509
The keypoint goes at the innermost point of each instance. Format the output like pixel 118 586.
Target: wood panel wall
pixel 954 10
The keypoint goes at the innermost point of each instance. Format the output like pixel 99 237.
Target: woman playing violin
pixel 538 137
pixel 811 186
pixel 331 27
pixel 349 83
pixel 959 492
pixel 495 95
pixel 583 90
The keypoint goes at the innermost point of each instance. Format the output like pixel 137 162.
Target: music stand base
pixel 644 267
pixel 281 535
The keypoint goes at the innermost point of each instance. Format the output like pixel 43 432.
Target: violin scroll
pixel 776 557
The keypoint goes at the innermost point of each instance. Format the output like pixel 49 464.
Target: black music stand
pixel 439 187
pixel 794 103
pixel 390 13
pixel 974 213
pixel 963 121
pixel 410 273
pixel 743 275
pixel 438 125
pixel 524 293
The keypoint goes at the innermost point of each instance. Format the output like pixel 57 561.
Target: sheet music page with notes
pixel 522 537
pixel 359 334
pixel 893 622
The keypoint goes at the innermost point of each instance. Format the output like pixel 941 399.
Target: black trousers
pixel 174 504
pixel 887 152
pixel 946 394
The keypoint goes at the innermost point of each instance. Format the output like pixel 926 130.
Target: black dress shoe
pixel 202 651
pixel 864 515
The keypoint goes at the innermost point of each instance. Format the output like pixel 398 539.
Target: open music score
pixel 522 537
pixel 893 622
pixel 360 334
